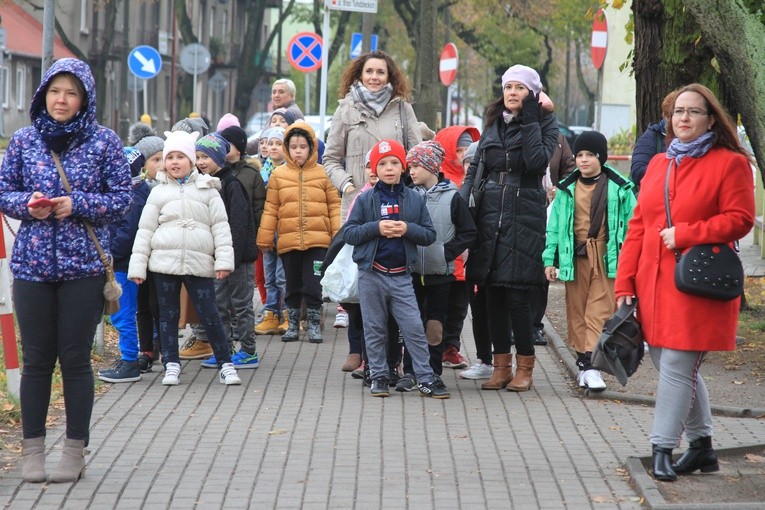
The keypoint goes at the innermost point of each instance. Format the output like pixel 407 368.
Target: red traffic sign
pixel 599 43
pixel 304 51
pixel 447 65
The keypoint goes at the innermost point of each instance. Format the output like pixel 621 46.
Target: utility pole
pixel 49 27
pixel 367 27
pixel 445 100
pixel 427 105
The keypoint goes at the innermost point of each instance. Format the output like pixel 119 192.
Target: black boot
pixel 699 455
pixel 662 464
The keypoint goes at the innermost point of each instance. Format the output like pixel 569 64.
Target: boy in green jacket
pixel 585 233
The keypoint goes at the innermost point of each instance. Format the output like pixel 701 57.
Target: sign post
pixel 145 63
pixel 598 49
pixel 447 65
pixel 195 60
pixel 304 52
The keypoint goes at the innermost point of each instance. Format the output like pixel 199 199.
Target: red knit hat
pixel 385 148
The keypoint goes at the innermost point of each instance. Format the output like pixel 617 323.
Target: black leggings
pixel 510 307
pixel 58 320
pixel 147 315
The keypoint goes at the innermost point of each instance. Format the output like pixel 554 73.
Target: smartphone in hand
pixel 40 202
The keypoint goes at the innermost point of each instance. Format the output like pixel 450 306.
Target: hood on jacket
pixel 304 129
pixel 609 172
pixel 448 138
pixel 81 70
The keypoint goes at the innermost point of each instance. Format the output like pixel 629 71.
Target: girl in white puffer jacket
pixel 184 237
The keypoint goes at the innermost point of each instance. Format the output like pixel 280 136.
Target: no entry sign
pixel 447 66
pixel 304 51
pixel 599 39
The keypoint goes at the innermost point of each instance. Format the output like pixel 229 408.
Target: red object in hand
pixel 40 202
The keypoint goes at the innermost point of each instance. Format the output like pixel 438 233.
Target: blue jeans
pixel 125 320
pixel 58 320
pixel 276 283
pixel 202 294
pixel 234 296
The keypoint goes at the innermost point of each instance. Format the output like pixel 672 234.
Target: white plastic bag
pixel 340 283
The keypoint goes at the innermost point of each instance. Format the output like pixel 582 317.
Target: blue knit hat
pixel 135 160
pixel 214 146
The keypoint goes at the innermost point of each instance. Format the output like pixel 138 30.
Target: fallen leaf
pixel 7 406
pixel 277 432
pixel 750 457
pixel 739 383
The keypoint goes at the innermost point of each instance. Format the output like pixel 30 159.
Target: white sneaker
pixel 341 319
pixel 580 379
pixel 172 374
pixel 228 375
pixel 478 371
pixel 593 380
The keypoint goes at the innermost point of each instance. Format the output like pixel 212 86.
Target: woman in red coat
pixel 712 200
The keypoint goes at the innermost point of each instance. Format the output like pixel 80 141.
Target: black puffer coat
pixel 512 215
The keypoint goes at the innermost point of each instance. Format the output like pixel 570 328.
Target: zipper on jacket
pixel 300 207
pixel 183 243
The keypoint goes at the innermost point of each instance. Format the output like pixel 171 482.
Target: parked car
pixel 315 120
pixel 257 122
pixel 571 132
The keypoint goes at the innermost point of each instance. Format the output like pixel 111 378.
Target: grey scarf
pixel 373 102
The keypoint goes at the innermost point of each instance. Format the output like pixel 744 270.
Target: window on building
pixel 212 22
pixel 84 5
pixel 20 87
pixel 5 82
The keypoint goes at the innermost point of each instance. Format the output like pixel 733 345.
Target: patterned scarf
pixel 374 102
pixel 677 150
pixel 56 135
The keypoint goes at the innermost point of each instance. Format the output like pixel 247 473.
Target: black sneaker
pixel 393 377
pixel 380 387
pixel 406 383
pixel 145 361
pixel 435 389
pixel 122 371
pixel 539 337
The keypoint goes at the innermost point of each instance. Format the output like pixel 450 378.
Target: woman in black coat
pixel 517 143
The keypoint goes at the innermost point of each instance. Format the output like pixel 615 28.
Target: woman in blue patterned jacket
pixel 58 276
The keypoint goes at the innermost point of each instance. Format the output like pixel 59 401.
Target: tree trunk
pixel 668 54
pixel 427 105
pixel 248 72
pixel 738 40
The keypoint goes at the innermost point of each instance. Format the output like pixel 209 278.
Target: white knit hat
pixel 180 141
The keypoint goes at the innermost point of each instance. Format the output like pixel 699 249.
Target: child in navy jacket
pixel 386 225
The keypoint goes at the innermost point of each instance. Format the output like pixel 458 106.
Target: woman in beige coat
pixel 374 107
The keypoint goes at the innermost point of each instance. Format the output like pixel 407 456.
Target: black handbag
pixel 708 270
pixel 620 349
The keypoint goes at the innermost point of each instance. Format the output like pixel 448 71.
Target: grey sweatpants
pixel 378 295
pixel 682 401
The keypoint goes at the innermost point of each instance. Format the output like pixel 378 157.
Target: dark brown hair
pixel 396 78
pixel 723 128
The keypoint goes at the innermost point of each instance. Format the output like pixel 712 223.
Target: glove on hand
pixel 531 109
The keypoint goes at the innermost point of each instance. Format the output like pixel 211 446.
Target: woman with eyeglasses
pixel 710 190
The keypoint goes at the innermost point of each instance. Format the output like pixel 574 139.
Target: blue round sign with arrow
pixel 144 62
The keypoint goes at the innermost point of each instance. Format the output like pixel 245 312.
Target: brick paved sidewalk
pixel 299 433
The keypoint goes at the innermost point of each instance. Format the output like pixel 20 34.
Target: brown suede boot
pixel 33 459
pixel 523 370
pixel 71 467
pixel 503 372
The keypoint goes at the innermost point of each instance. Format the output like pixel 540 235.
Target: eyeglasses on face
pixel 692 112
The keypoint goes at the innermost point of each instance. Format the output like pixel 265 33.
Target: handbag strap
pixel 105 260
pixel 404 131
pixel 666 204
pixel 477 181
